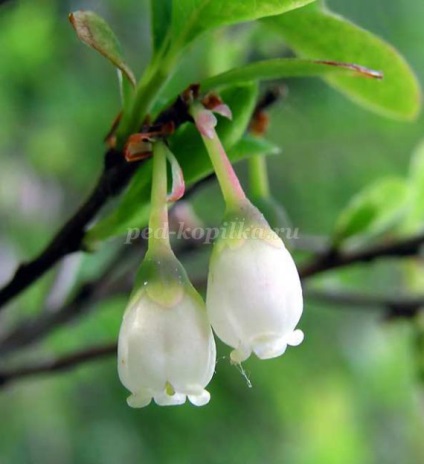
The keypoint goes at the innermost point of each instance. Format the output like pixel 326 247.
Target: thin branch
pixel 395 307
pixel 336 260
pixel 35 328
pixel 58 364
pixel 69 239
pixel 399 307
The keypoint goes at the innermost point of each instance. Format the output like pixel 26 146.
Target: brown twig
pixel 69 239
pixel 58 364
pixel 35 328
pixel 397 306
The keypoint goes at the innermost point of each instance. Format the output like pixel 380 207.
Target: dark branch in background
pixel 335 260
pixel 38 327
pixel 406 307
pixel 116 175
pixel 107 285
pixel 58 364
pixel 35 328
pixel 69 239
pixel 395 307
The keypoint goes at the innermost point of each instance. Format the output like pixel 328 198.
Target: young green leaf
pixel 374 210
pixel 96 33
pixel 186 144
pixel 251 146
pixel 283 68
pixel 190 18
pixel 322 35
pixel 161 16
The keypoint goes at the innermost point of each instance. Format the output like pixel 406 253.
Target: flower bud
pixel 166 348
pixel 254 296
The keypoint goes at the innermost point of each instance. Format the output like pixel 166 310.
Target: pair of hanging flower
pixel 166 348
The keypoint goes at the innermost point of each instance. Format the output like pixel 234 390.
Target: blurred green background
pixel 351 393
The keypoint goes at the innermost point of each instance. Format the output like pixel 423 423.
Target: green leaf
pixel 323 35
pixel 374 210
pixel 186 144
pixel 96 33
pixel 190 18
pixel 414 220
pixel 285 67
pixel 251 146
pixel 161 16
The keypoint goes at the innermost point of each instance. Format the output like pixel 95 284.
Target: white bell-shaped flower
pixel 166 348
pixel 254 296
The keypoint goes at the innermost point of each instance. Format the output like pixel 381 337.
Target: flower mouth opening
pixel 169 397
pixel 267 346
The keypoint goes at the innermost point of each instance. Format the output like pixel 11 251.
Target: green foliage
pixel 31 54
pixel 187 146
pixel 320 34
pixel 283 68
pixel 161 15
pixel 190 18
pixel 249 146
pixel 395 204
pixel 374 210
